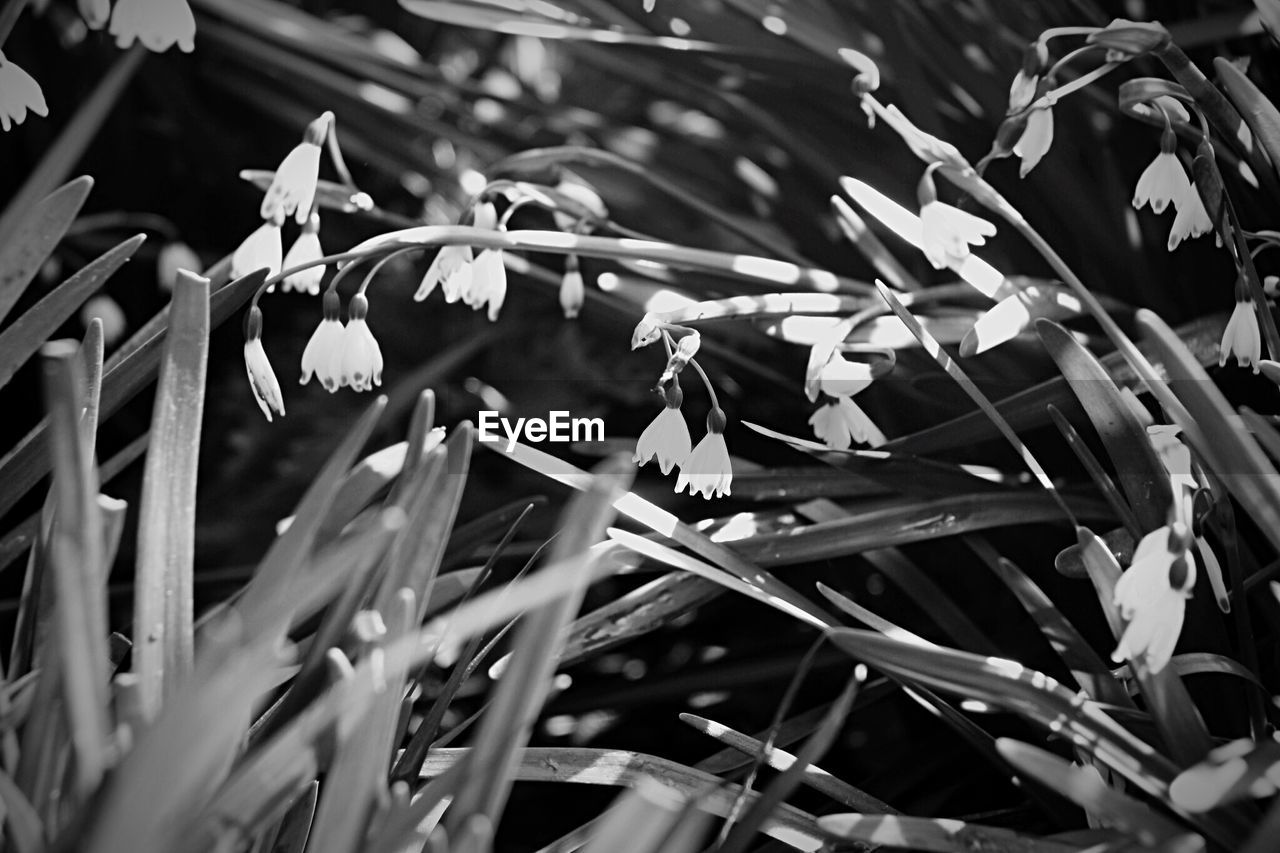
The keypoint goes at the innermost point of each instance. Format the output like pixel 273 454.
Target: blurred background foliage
pixel 751 114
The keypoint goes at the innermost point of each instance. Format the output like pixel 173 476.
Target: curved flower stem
pixel 538 158
pixel 335 154
pixel 1141 366
pixel 1056 32
pixel 745 267
pixel 368 279
pixel 1049 98
pixel 711 392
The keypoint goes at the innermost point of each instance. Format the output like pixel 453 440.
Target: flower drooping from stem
pixel 1152 596
pixel 361 364
pixel 158 24
pixel 666 438
pixel 323 354
pixel 946 232
pixel 262 379
pixel 260 249
pixel 1241 338
pixel 19 92
pixel 1164 179
pixel 293 187
pixel 305 250
pixel 708 469
pixel 572 291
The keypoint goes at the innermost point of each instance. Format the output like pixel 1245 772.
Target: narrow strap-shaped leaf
pixel 1090 672
pixel 36 233
pixel 953 370
pixel 1257 110
pixel 129 369
pixel 356 780
pixel 898 471
pixel 415 555
pixel 663 554
pixel 164 605
pixel 780 760
pixel 1026 409
pixel 24 336
pixel 74 138
pixel 508 723
pixel 622 768
pixel 662 522
pixel 939 835
pixel 1227 445
pixel 1038 698
pixel 1236 771
pixel 814 748
pixel 1094 469
pixel 267 600
pixel 75 557
pixel 1085 788
pixel 1141 475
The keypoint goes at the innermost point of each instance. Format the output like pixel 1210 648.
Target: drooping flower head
pixel 262 379
pixel 946 232
pixel 323 354
pixel 839 422
pixel 572 291
pixel 260 249
pixel 1023 89
pixel 306 249
pixel 19 92
pixel 708 470
pixel 293 187
pixel 361 364
pixel 843 378
pixel 1164 180
pixel 1152 596
pixel 1241 338
pixel 488 273
pixel 646 332
pixel 451 267
pixel 1035 140
pixel 1192 220
pixel 666 438
pixel 158 24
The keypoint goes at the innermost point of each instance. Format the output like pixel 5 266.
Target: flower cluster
pixel 475 280
pixel 1165 182
pixel 292 193
pixel 343 356
pixel 705 469
pixel 1152 596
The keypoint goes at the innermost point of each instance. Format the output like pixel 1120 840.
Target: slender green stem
pixel 711 392
pixel 368 279
pixel 1049 98
pixel 335 154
